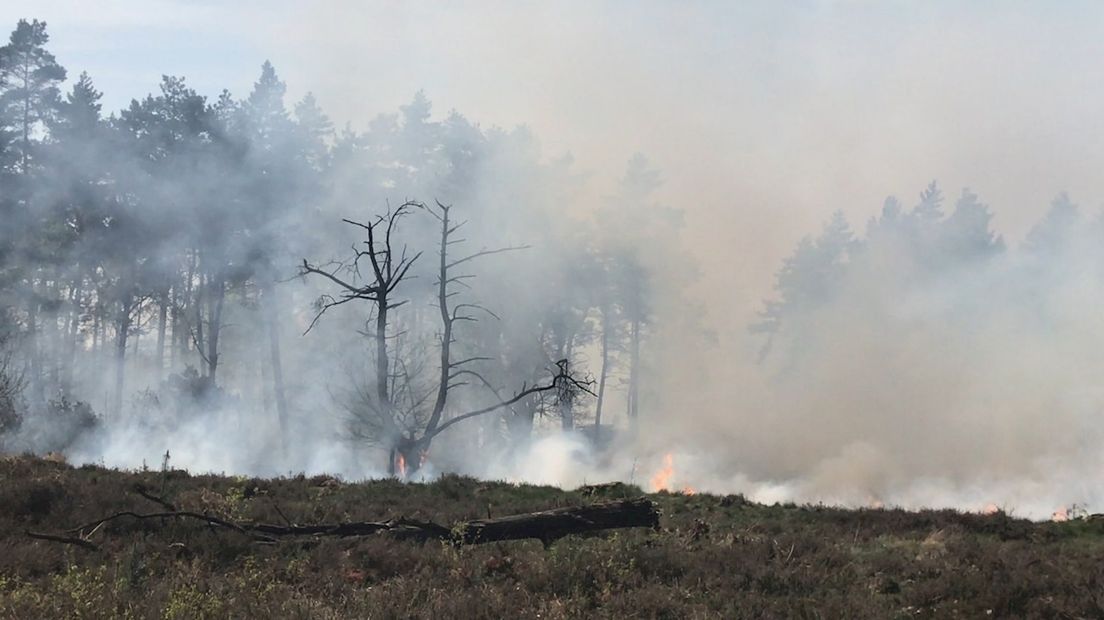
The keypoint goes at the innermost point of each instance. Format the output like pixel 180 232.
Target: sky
pixel 763 116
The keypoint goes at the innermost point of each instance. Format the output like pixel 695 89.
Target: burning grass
pixel 714 556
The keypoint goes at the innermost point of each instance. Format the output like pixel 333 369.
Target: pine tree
pixel 29 98
pixel 809 278
pixel 79 116
pixel 315 132
pixel 1057 229
pixel 967 233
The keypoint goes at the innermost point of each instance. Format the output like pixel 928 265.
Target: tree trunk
pixel 198 301
pixel 162 328
pixel 101 321
pixel 35 381
pixel 175 335
pixel 383 375
pixel 182 304
pixel 214 326
pixel 407 457
pixel 444 378
pixel 54 335
pixel 96 330
pixel 566 398
pixel 602 374
pixel 268 302
pixel 72 333
pixel 122 328
pixel 634 375
pixel 136 322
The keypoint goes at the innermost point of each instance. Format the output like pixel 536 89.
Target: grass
pixel 714 556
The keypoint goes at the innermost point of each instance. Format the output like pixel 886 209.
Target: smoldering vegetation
pixel 202 277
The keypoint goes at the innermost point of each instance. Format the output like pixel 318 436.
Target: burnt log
pixel 546 526
pixel 550 525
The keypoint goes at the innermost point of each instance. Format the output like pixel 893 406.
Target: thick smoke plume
pixel 930 362
pixel 155 301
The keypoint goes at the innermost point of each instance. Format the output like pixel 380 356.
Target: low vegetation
pixel 713 556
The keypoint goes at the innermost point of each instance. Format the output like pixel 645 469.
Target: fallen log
pixel 546 526
pixel 550 525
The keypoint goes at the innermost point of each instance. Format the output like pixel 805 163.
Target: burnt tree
pixel 388 269
pixel 407 417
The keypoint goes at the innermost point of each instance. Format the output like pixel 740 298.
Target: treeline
pixel 927 265
pixel 149 262
pixel 926 356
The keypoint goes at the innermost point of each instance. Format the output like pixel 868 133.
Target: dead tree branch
pixel 546 526
pixel 68 540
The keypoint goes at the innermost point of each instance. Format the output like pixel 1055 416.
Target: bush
pixel 66 422
pixel 180 396
pixel 190 391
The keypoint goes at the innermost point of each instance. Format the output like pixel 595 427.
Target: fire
pixel 400 465
pixel 662 478
pixel 661 481
pixel 401 469
pixel 1071 512
pixel 990 509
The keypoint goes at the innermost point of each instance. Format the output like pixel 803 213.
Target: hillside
pixel 713 556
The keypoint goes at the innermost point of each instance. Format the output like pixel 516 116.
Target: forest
pixel 165 268
pixel 234 284
pixel 634 333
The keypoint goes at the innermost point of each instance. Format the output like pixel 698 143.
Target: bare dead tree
pixel 388 269
pixel 407 422
pixel 454 373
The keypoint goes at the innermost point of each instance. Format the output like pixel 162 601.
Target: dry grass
pixel 714 557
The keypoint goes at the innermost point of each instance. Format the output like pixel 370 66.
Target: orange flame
pixel 662 478
pixel 661 481
pixel 400 465
pixel 990 509
pixel 1062 514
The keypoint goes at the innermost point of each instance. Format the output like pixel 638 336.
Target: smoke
pixel 913 376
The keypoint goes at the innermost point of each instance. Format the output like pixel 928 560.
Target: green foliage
pixel 29 95
pixel 187 601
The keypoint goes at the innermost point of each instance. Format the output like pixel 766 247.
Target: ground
pixel 713 556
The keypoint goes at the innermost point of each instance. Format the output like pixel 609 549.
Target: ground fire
pixel 661 480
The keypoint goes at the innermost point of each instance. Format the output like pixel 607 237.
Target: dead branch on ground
pixel 546 526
